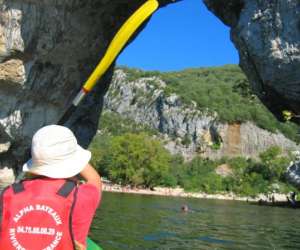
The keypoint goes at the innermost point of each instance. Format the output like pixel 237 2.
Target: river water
pixel 127 221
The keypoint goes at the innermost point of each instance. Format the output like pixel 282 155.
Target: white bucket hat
pixel 56 154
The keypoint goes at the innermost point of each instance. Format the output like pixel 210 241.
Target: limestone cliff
pixel 49 47
pixel 187 130
pixel 267 36
pixel 47 50
pixel 293 173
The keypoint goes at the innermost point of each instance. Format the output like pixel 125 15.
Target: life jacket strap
pixel 18 187
pixel 64 191
pixel 66 188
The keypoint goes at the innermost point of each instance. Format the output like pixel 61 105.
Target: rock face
pixel 187 130
pixel 49 47
pixel 6 177
pixel 267 36
pixel 47 50
pixel 293 174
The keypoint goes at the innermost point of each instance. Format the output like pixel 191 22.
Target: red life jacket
pixel 37 215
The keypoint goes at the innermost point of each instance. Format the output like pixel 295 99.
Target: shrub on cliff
pixel 114 124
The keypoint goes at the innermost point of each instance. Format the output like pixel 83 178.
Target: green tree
pixel 114 124
pixel 273 163
pixel 200 176
pixel 137 160
pixel 100 153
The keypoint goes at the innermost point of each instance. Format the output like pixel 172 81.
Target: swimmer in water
pixel 184 208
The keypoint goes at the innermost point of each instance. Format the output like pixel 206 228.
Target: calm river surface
pixel 127 221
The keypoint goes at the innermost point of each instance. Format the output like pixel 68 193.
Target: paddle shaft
pixel 114 48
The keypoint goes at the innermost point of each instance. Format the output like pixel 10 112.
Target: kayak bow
pixel 91 245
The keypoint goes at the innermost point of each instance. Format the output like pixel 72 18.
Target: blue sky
pixel 181 35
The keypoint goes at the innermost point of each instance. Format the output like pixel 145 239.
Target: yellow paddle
pixel 115 47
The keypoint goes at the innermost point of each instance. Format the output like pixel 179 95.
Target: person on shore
pixel 273 198
pixel 50 209
pixel 293 196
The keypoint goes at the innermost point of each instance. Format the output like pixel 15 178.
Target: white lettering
pixel 50 211
pixel 55 242
pixel 22 212
pixel 35 230
pixel 14 241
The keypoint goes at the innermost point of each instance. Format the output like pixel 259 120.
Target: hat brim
pixel 63 169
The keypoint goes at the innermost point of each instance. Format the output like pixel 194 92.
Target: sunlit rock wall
pixel 267 36
pixel 186 129
pixel 293 173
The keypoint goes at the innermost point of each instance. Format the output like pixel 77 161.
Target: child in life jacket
pixel 51 210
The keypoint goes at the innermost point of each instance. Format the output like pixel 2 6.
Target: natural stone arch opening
pixel 52 46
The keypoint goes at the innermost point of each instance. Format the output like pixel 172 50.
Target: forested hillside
pixel 131 154
pixel 131 146
pixel 224 90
